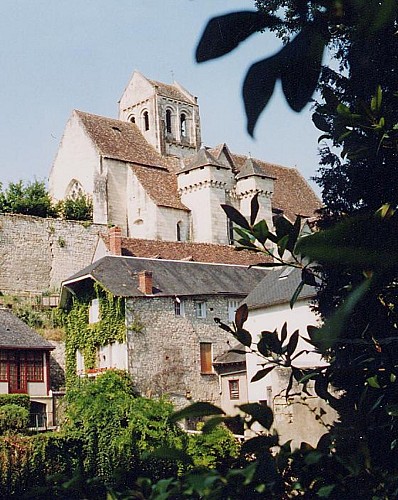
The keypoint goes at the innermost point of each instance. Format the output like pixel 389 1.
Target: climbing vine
pixel 86 337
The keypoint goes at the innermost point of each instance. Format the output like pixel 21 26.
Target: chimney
pixel 115 240
pixel 145 282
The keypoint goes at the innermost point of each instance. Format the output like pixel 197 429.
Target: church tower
pixel 167 115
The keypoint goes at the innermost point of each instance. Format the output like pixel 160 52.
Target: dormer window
pixel 168 121
pixel 146 120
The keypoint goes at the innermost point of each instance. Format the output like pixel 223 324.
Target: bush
pixel 79 208
pixel 13 418
pixel 15 399
pixel 29 199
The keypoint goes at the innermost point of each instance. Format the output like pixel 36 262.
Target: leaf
pixel 241 315
pixel 262 373
pixel 282 244
pixel 254 207
pixel 212 423
pixel 307 277
pixel 296 294
pixel 259 444
pixel 392 410
pixel 235 216
pixel 302 66
pixel 260 231
pixel 224 33
pixel 200 409
pixel 269 341
pixel 261 414
pixel 325 491
pixel 291 347
pixel 283 227
pixel 244 337
pixel 284 333
pixel 268 264
pixel 258 88
pixel 320 122
pixel 294 234
pixel 223 325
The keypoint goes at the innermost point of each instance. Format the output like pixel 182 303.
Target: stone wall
pixel 36 254
pixel 164 356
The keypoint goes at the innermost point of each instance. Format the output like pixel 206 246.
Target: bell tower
pixel 166 114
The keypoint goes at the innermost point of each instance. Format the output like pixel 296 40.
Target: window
pixel 200 309
pixel 34 366
pixel 3 366
pixel 168 121
pixel 233 389
pixel 179 307
pixel 232 307
pixel 146 120
pixel 183 125
pixel 179 227
pixel 93 313
pixel 206 357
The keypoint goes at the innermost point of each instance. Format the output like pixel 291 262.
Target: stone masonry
pixel 36 254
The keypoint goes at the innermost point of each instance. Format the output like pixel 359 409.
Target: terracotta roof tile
pixel 292 193
pixel 172 91
pixel 160 185
pixel 119 140
pixel 180 250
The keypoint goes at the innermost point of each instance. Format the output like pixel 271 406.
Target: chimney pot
pixel 115 241
pixel 145 282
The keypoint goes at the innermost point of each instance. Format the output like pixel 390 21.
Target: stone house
pixel 25 365
pixel 148 172
pixel 171 337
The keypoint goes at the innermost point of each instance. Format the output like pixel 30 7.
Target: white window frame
pixel 94 312
pixel 200 309
pixel 179 307
pixel 233 305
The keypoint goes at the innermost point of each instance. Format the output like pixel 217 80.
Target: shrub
pixel 15 399
pixel 13 418
pixel 79 208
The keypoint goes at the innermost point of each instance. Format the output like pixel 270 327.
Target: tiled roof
pixel 202 158
pixel 170 90
pixel 119 275
pixel 14 333
pixel 160 185
pixel 292 194
pixel 249 168
pixel 278 287
pixel 197 252
pixel 119 140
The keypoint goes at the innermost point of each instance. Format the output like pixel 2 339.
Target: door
pixel 17 378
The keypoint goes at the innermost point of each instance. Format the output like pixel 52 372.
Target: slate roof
pixel 14 333
pixel 180 250
pixel 119 140
pixel 119 275
pixel 278 287
pixel 230 357
pixel 172 91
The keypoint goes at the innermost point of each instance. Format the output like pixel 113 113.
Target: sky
pixel 60 55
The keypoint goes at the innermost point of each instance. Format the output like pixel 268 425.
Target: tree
pixel 27 199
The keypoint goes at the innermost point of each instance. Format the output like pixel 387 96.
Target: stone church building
pixel 149 174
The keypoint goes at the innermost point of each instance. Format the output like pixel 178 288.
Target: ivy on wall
pixel 86 337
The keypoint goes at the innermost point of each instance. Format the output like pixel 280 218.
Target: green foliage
pixel 29 199
pixel 21 400
pixel 80 335
pixel 13 418
pixel 77 208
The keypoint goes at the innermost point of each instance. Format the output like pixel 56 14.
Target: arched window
pixel 74 190
pixel 179 232
pixel 168 121
pixel 183 125
pixel 131 119
pixel 146 120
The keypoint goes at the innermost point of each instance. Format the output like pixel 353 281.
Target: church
pixel 148 173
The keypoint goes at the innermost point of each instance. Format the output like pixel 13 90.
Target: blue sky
pixel 60 55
